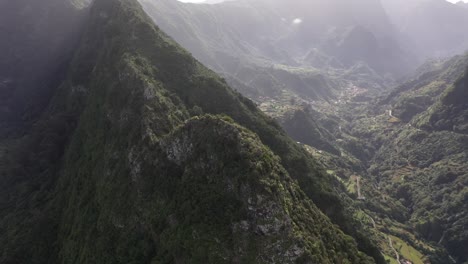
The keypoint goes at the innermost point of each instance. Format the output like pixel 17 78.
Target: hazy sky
pixel 198 1
pixel 192 1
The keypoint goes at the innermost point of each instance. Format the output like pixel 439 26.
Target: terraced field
pixel 406 251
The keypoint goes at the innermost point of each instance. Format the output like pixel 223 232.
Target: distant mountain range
pixel 249 131
pixel 140 154
pixel 350 49
pixel 434 27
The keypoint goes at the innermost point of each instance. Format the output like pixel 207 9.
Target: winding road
pixel 390 242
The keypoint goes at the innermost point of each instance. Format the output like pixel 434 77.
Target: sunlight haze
pixel 201 1
pixel 233 131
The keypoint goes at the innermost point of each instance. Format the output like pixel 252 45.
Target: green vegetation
pixel 136 153
pixel 409 147
pixel 125 167
pixel 425 166
pixel 411 159
pixel 406 251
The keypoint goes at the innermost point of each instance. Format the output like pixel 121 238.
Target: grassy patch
pixel 408 252
pixel 390 260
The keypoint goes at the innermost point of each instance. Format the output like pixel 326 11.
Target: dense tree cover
pixel 116 170
pixel 133 152
pixel 409 151
pixel 433 144
pixel 400 146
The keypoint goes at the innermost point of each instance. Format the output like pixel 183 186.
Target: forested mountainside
pixel 37 40
pixel 404 157
pixel 118 146
pixel 388 154
pixel 424 162
pixel 143 155
pixel 284 31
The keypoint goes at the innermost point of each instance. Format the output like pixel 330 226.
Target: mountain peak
pixel 134 171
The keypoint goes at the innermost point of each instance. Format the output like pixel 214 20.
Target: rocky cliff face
pixel 125 167
pixel 299 38
pixel 426 154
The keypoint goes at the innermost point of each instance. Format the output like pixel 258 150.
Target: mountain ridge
pixel 137 153
pixel 127 88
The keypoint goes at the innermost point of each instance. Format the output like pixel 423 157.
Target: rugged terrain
pixel 402 154
pixel 143 155
pixel 388 146
pixel 118 146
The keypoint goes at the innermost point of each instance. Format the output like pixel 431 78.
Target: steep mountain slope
pixel 302 126
pixel 429 83
pixel 119 168
pixel 424 162
pixel 450 113
pixel 419 145
pixel 251 41
pixel 403 158
pixel 374 149
pixel 37 40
